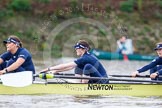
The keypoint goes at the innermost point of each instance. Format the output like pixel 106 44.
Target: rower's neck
pixel 14 50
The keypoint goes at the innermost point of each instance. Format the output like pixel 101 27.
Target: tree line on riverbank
pixel 36 21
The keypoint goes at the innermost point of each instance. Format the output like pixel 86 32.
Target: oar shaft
pixel 130 76
pixel 66 74
pixel 130 80
pixel 140 76
pixel 50 76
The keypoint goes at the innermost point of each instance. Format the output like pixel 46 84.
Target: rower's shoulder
pixel 157 59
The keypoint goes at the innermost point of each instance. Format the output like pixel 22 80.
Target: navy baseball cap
pixel 78 45
pixel 11 40
pixel 159 46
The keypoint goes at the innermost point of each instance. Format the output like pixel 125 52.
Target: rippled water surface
pixel 68 101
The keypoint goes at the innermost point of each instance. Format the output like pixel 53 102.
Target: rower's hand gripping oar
pixel 18 79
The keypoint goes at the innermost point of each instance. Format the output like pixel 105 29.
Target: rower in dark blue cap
pixel 86 65
pixel 155 66
pixel 16 58
pixel 13 40
pixel 158 46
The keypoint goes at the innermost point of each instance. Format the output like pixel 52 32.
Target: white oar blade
pixel 19 79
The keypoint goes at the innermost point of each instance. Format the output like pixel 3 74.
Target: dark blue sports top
pixel 21 53
pixel 88 58
pixel 155 62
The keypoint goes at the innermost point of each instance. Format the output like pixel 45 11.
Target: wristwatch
pixel 48 69
pixel 157 73
pixel 6 70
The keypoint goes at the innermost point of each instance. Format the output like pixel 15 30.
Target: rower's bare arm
pixel 16 64
pixel 61 67
pixel 1 60
pixel 61 70
pixel 12 66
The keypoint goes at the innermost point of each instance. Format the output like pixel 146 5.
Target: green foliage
pixel 147 29
pixel 102 32
pixel 139 4
pixel 141 33
pixel 127 6
pixel 75 10
pixel 44 1
pixel 5 13
pixel 158 15
pixel 2 13
pixel 32 23
pixel 20 5
pixel 56 51
pixel 159 2
pixel 29 32
pixel 113 31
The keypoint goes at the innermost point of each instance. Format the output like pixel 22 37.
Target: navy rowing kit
pixel 10 58
pixel 89 65
pixel 155 65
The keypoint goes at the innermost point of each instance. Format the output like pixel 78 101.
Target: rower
pixel 155 69
pixel 86 65
pixel 16 58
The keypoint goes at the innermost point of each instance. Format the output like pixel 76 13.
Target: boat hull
pixel 115 56
pixel 85 89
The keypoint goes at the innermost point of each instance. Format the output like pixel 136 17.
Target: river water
pixel 68 101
